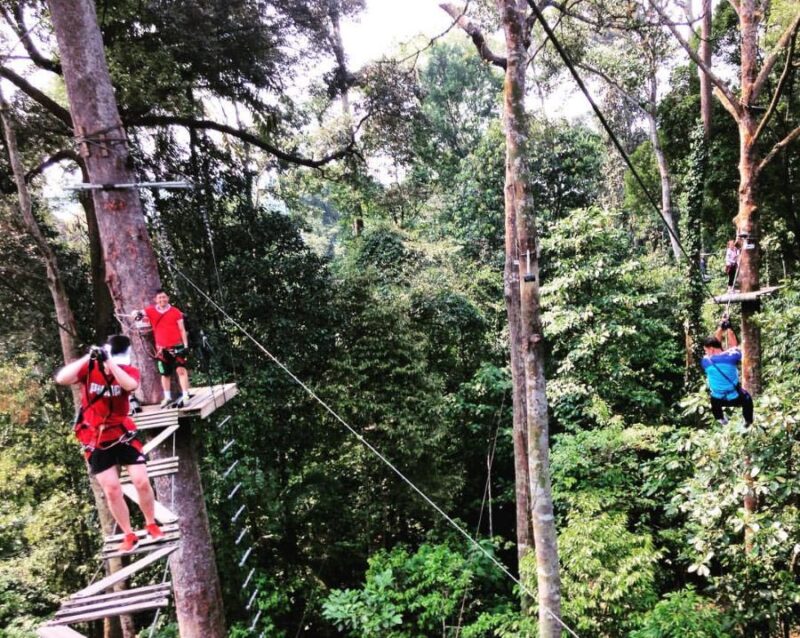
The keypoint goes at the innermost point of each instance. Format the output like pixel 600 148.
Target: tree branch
pixel 60 156
pixel 475 33
pixel 23 32
pixel 786 37
pixel 192 123
pixel 787 71
pixel 615 85
pixel 791 137
pixel 53 107
pixel 722 92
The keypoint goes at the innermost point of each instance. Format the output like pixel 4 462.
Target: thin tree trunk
pixel 132 275
pixel 666 179
pixel 520 421
pixel 705 56
pixel 519 207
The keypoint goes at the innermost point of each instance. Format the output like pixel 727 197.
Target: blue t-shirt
pixel 723 373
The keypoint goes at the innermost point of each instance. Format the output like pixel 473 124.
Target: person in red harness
pixel 107 433
pixel 172 346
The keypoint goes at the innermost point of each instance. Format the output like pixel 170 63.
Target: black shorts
pixel 171 358
pixel 120 454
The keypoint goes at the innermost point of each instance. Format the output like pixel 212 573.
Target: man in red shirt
pixel 108 434
pixel 172 344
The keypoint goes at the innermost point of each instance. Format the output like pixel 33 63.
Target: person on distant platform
pixel 732 262
pixel 107 433
pixel 722 374
pixel 172 346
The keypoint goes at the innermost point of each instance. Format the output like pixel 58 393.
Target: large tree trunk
pixel 132 276
pixel 519 207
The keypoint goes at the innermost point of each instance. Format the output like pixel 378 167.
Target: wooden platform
pixel 205 400
pixel 739 297
pixel 129 601
pixel 146 544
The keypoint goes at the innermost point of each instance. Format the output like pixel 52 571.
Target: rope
pixel 379 455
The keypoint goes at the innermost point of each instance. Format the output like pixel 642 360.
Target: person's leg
pixel 746 402
pixel 731 275
pixel 165 370
pixel 183 379
pixel 141 482
pixel 716 410
pixel 109 482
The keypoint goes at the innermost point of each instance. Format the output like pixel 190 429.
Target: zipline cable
pixel 378 454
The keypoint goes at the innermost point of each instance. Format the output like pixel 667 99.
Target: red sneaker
pixel 128 543
pixel 154 531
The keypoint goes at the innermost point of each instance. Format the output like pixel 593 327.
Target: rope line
pixel 378 454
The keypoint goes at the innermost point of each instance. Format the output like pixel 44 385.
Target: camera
pixel 96 353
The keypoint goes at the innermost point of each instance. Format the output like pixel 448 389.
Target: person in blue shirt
pixel 722 373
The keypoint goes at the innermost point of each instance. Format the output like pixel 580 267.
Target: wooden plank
pixel 115 611
pixel 141 533
pixel 124 573
pixel 131 597
pixel 156 465
pixel 218 397
pixel 159 438
pixel 76 602
pixel 57 631
pixel 143 547
pixel 163 515
pixel 166 471
pixel 739 297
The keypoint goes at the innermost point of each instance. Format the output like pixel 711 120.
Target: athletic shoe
pixel 177 403
pixel 128 543
pixel 154 531
pixel 166 403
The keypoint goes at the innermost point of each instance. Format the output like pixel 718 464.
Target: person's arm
pixel 732 342
pixel 69 373
pixel 126 381
pixel 184 336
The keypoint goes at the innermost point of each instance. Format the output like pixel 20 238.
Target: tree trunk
pixel 104 321
pixel 519 212
pixel 665 177
pixel 123 626
pixel 520 421
pixel 705 56
pixel 132 275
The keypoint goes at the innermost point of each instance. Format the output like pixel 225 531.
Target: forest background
pixel 377 277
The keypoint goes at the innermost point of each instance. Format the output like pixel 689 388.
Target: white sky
pixel 387 23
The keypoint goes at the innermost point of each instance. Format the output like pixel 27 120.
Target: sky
pixel 387 23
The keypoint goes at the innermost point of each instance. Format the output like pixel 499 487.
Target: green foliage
pixel 409 594
pixel 612 322
pixel 608 572
pixel 683 613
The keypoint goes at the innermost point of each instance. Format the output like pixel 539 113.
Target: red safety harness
pixel 95 437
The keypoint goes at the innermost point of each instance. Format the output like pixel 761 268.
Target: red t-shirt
pixel 110 409
pixel 165 326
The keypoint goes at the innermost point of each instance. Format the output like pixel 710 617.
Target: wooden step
pixel 126 572
pixel 146 544
pixel 156 467
pixel 122 602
